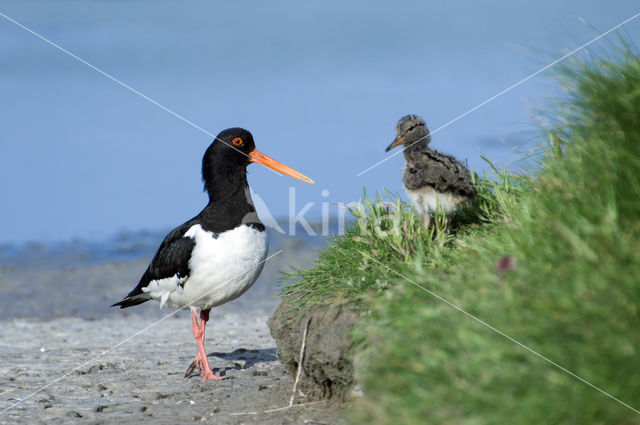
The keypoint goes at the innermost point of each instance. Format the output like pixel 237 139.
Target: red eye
pixel 237 141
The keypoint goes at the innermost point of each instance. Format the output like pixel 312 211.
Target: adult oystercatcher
pixel 217 255
pixel 430 178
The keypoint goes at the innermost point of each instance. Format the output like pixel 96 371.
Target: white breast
pixel 426 200
pixel 221 268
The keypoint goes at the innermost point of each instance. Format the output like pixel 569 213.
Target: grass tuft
pixel 388 229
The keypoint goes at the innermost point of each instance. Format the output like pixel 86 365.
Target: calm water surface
pixel 320 84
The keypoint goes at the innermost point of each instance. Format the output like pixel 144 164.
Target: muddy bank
pixel 141 380
pixel 327 369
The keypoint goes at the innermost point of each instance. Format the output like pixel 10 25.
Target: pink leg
pixel 201 360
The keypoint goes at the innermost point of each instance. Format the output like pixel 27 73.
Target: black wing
pixel 171 259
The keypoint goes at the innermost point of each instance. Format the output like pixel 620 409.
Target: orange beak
pixel 267 161
pixel 396 142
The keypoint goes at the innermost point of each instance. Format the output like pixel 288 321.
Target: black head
pixel 231 147
pixel 225 161
pixel 411 131
pixel 227 157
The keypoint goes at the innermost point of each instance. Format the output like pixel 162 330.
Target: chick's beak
pixel 396 142
pixel 267 161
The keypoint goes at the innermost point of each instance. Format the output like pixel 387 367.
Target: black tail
pixel 130 302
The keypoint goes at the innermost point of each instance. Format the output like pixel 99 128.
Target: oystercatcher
pixel 430 178
pixel 217 255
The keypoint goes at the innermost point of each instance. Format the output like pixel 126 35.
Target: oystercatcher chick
pixel 217 255
pixel 430 178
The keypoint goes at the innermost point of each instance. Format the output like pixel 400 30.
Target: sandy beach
pixel 66 356
pixel 142 378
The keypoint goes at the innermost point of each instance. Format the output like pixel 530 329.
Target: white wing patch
pixel 193 231
pixel 161 289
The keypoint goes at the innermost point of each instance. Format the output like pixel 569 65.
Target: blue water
pixel 78 252
pixel 129 246
pixel 320 84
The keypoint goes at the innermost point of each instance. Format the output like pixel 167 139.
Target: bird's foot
pixel 204 368
pixel 200 361
pixel 211 375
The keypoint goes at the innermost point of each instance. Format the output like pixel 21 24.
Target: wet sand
pixel 66 356
pixel 142 380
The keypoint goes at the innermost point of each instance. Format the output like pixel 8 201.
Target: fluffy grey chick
pixel 430 177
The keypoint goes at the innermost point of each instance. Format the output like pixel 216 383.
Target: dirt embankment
pixel 327 369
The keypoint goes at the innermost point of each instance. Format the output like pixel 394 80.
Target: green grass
pixel 573 231
pixel 387 228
